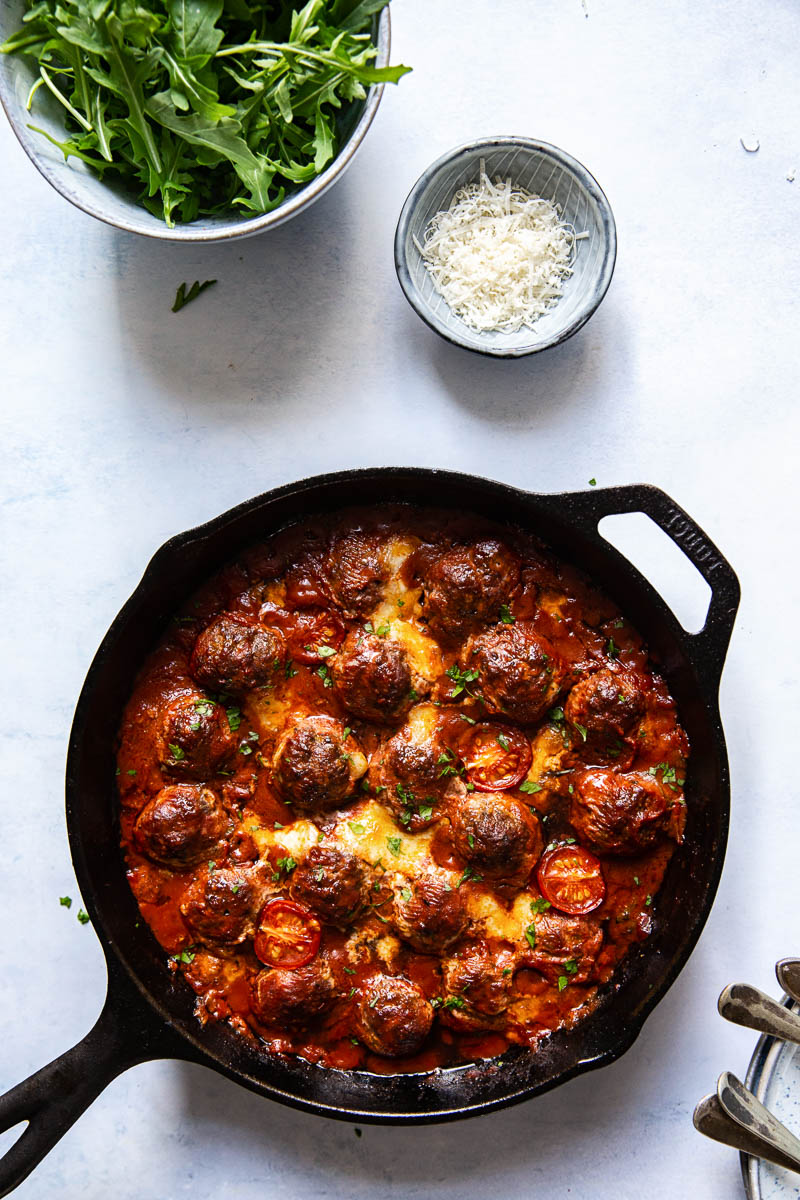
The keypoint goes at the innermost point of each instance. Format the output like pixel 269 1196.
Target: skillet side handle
pixel 710 645
pixel 53 1098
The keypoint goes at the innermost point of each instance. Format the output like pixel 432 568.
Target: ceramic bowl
pixel 117 207
pixel 538 168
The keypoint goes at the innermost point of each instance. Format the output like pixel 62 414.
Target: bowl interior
pixel 113 203
pixel 545 171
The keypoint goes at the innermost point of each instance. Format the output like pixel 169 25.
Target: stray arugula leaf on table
pixel 182 297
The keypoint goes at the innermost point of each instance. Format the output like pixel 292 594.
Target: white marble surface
pixel 121 424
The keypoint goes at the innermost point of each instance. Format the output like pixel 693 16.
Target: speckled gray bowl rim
pixel 284 212
pixel 759 1075
pixel 586 179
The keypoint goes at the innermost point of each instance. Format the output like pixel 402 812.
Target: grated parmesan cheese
pixel 499 255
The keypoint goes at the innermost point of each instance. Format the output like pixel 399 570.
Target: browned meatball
pixel 411 776
pixel 623 814
pixel 233 654
pixel 466 587
pixel 394 1017
pixel 316 766
pixel 519 672
pixel 427 912
pixel 605 707
pixel 356 574
pixel 477 988
pixel 195 738
pixel 294 998
pixel 181 825
pixel 564 946
pixel 372 677
pixel 332 882
pixel 496 835
pixel 221 906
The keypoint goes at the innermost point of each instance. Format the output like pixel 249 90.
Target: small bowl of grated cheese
pixel 506 246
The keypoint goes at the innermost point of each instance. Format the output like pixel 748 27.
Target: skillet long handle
pixel 52 1099
pixel 710 645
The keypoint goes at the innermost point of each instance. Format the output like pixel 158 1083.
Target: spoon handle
pixel 788 973
pixel 751 1115
pixel 711 1119
pixel 746 1005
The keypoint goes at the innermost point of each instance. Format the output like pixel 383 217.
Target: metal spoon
pixel 788 973
pixel 748 1006
pixel 711 1119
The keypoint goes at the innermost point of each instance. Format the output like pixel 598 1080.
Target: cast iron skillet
pixel 148 1013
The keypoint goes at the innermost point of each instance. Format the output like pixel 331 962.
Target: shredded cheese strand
pixel 499 255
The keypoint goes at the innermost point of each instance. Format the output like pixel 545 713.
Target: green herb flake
pixel 503 741
pixel 461 680
pixel 234 716
pixel 613 648
pixel 83 917
pixel 530 934
pixel 593 482
pixel 506 615
pixel 357 827
pixel 562 982
pixel 395 844
pixel 540 905
pixel 182 297
pixel 65 901
pixel 325 676
pixel 407 894
pixel 530 788
pixel 582 730
pixel 325 651
pixel 648 901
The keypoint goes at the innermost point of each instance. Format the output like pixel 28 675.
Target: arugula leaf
pixel 182 297
pixel 202 107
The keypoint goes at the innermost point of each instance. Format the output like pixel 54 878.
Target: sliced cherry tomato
pixel 288 935
pixel 571 878
pixel 496 757
pixel 315 630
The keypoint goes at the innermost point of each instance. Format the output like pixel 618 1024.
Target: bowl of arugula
pixel 193 120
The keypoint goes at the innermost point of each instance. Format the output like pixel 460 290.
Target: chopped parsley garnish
pixel 65 901
pixel 469 874
pixel 383 630
pixel 613 649
pixel 469 720
pixel 503 741
pixel 325 675
pixel 425 811
pixel 562 982
pixel 184 956
pixel 132 772
pixel 395 844
pixel 454 1002
pixel 347 732
pixel 357 827
pixel 571 966
pixel 234 716
pixel 530 934
pixel 593 482
pixel 461 680
pixel 506 615
pixel 289 670
pixel 669 775
pixel 413 694
pixel 83 917
pixel 285 865
pixel 471 841
pixel 325 651
pixel 636 880
pixel 529 787
pixel 349 970
pixel 176 751
pixel 648 901
pixel 582 730
pixel 556 715
pixel 407 894
pixel 540 905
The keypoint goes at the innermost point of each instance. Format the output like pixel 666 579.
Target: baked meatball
pixel 372 677
pixel 294 998
pixel 356 574
pixel 519 672
pixel 496 835
pixel 607 706
pixel 466 586
pixel 181 825
pixel 332 882
pixel 411 775
pixel 195 738
pixel 394 1016
pixel 477 988
pixel 234 654
pixel 316 766
pixel 564 946
pixel 623 814
pixel 427 912
pixel 221 906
